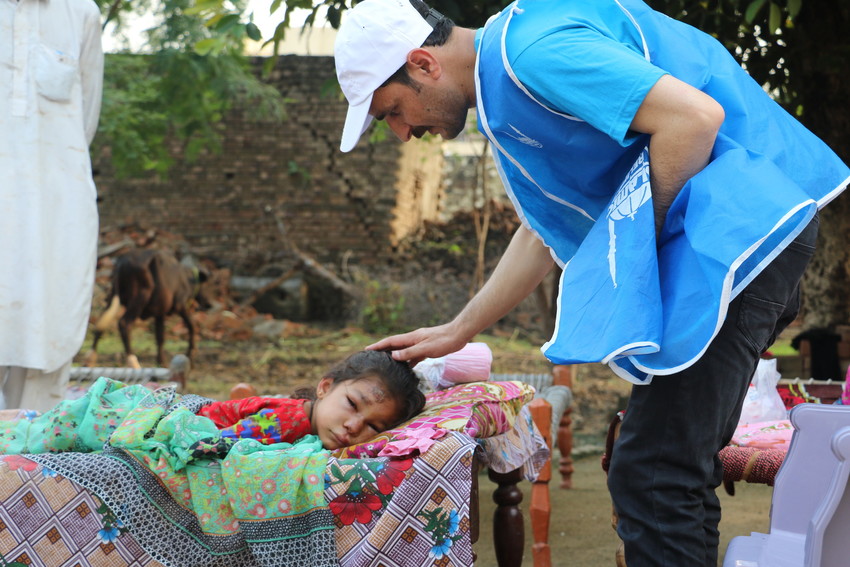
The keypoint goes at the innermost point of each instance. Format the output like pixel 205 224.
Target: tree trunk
pixel 818 55
pixel 827 281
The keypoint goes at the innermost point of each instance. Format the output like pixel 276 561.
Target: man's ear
pixel 421 61
pixel 323 387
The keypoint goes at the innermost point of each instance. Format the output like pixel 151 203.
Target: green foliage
pixel 295 169
pixel 756 32
pixel 174 96
pixel 383 305
pixel 228 21
pixel 132 122
pixel 452 249
pixel 196 70
pixel 178 93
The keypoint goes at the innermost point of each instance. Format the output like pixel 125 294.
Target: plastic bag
pixel 763 402
pixel 469 364
pixel 430 371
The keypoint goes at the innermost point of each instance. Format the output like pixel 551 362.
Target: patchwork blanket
pixel 189 499
pixel 162 480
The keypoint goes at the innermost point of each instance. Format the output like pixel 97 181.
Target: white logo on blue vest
pixel 632 194
pixel 520 137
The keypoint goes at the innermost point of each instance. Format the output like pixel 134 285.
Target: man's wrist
pixel 462 329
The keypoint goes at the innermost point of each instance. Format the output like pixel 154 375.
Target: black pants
pixel 664 468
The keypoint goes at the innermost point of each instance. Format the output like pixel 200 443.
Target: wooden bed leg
pixel 562 375
pixel 474 506
pixel 508 529
pixel 541 506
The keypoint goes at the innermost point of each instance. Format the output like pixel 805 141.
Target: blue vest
pixel 641 306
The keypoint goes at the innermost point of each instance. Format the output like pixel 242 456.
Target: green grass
pixel 110 349
pixel 280 364
pixel 782 347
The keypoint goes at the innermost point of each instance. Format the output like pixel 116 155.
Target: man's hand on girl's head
pixel 427 342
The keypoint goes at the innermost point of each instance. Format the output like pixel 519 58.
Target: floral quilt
pixel 144 502
pixel 186 499
pixel 384 512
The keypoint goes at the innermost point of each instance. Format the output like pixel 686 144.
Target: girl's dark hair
pixel 399 380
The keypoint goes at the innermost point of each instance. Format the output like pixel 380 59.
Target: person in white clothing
pixel 51 78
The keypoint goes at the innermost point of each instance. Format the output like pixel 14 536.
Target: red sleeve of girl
pixel 227 413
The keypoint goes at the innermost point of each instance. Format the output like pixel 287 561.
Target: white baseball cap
pixel 372 43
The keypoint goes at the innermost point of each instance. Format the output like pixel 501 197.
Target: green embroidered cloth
pixel 188 497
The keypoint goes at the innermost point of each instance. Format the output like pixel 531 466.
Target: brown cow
pixel 151 283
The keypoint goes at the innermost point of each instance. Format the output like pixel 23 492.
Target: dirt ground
pixel 580 527
pixel 280 356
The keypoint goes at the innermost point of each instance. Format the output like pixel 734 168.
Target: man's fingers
pixel 401 349
pixel 407 355
pixel 415 346
pixel 390 343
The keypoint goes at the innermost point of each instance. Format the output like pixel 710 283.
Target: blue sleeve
pixel 583 73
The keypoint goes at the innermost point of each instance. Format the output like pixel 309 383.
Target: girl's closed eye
pixel 365 394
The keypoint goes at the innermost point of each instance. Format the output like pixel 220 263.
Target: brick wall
pixel 230 206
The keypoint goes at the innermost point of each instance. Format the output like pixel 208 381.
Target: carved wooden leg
pixel 565 446
pixel 563 375
pixel 474 507
pixel 541 506
pixel 508 529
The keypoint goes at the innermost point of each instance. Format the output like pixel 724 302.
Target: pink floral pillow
pixel 774 434
pixel 479 409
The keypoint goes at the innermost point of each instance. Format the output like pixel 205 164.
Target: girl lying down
pixel 363 395
pixel 243 481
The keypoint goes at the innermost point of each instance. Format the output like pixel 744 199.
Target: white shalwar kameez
pixel 51 77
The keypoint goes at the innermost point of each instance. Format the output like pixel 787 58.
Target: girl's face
pixel 350 412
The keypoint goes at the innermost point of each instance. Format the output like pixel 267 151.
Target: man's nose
pixel 399 128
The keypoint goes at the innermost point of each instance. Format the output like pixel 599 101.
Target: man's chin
pixel 453 133
pixel 444 134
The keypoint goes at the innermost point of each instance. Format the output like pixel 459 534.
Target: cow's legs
pixel 190 326
pixel 134 310
pixel 159 332
pixel 106 319
pixel 91 356
pixel 124 327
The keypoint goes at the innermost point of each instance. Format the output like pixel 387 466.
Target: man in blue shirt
pixel 680 201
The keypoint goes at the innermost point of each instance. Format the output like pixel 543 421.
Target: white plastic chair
pixel 810 511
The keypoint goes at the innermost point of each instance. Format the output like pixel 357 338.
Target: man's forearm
pixel 669 171
pixel 682 123
pixel 523 265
